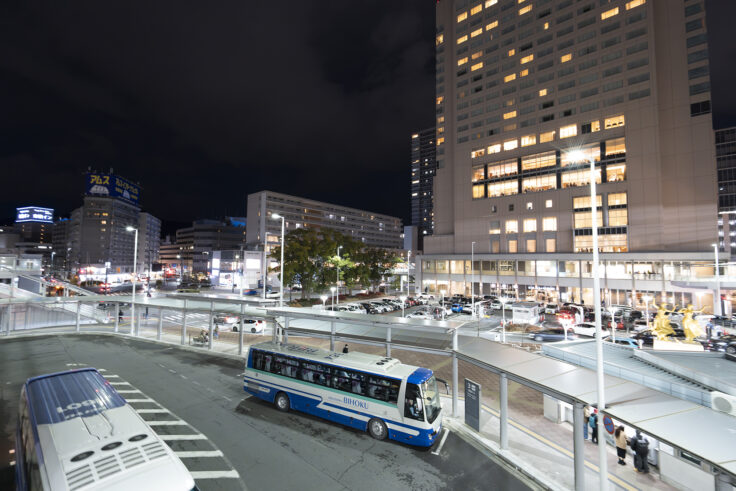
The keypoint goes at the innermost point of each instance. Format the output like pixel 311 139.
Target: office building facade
pixel 149 241
pixel 528 94
pixel 372 229
pixel 197 243
pixel 726 159
pixel 423 166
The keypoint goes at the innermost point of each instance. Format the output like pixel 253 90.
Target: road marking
pixel 167 423
pixel 140 400
pixel 174 371
pixel 126 383
pixel 134 391
pixel 214 474
pixel 442 442
pixel 196 436
pixel 201 453
pixel 226 397
pixel 186 378
pixel 151 411
pixel 118 376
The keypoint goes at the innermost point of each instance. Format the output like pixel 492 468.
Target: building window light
pixel 509 115
pixel 566 58
pixel 510 77
pixel 614 122
pixel 476 9
pixel 439 39
pixel 440 99
pixel 568 131
pixel 528 140
pixel 462 39
pixel 609 13
pixel 490 3
pixel 462 17
pixel 511 52
pixel 547 137
pixel 527 59
pixel 477 66
pixel 524 72
pixel 546 26
pixel 476 33
pixel 462 61
pixel 510 144
pixel 495 148
pixel 492 25
pixel 476 55
pixel 524 10
pixel 542 92
pixel 634 3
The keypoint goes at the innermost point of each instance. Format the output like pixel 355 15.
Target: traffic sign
pixel 608 423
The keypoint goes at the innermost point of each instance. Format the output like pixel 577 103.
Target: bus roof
pixel 390 367
pixel 58 396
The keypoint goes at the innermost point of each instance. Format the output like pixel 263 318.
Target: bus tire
pixel 377 429
pixel 282 402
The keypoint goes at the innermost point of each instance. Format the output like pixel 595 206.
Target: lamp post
pixel 647 299
pixel 472 277
pixel 503 301
pixel 717 303
pixel 323 298
pixel 332 289
pixel 276 216
pixel 135 262
pixel 403 304
pixel 408 272
pixel 232 290
pixel 337 294
pixel 442 303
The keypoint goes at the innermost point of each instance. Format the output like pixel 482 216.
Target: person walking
pixel 586 419
pixel 640 446
pixel 594 426
pixel 621 444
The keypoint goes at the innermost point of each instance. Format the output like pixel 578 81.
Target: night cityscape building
pixel 726 159
pixel 526 95
pixel 423 166
pixel 197 243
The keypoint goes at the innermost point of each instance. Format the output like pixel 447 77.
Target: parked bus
pixel 76 433
pixel 367 392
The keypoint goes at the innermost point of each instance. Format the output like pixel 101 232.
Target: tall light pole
pixel 403 304
pixel 442 303
pixel 472 277
pixel 717 303
pixel 276 216
pixel 647 299
pixel 408 272
pixel 332 289
pixel 578 156
pixel 135 269
pixel 324 299
pixel 503 301
pixel 337 292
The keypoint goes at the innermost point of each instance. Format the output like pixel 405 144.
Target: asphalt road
pixel 243 443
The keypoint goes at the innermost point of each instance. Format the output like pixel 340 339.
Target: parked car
pixel 369 308
pixel 457 308
pixel 648 337
pixel 421 314
pixel 551 308
pixel 628 342
pixel 724 343
pixel 225 319
pixel 252 325
pixel 552 334
pixel 588 329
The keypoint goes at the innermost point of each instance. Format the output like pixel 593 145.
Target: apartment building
pixel 422 169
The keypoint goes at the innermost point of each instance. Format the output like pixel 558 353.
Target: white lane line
pixel 167 423
pixel 227 398
pixel 442 442
pixel 196 436
pixel 136 391
pixel 103 370
pixel 174 371
pixel 214 474
pixel 151 411
pixel 118 376
pixel 126 383
pixel 186 378
pixel 151 400
pixel 201 453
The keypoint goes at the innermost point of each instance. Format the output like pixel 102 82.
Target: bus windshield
pixel 432 399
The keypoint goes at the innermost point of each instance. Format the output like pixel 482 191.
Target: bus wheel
pixel 377 429
pixel 282 402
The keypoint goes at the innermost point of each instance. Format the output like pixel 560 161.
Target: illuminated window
pixel 547 137
pixel 542 92
pixel 609 13
pixel 501 169
pixel 462 61
pixel 513 247
pixel 462 17
pixel 529 205
pixel 614 122
pixel 479 191
pixel 617 199
pixel 531 245
pixel 566 58
pixel 579 178
pixel 548 203
pixel 593 126
pixel 491 2
pixel 546 26
pixel 495 148
pixel 512 227
pixel 568 131
pixel 440 99
pixel 509 115
pixel 618 217
pixel 476 33
pixel 510 144
pixel 524 10
pixel 494 228
pixel 477 66
pixel 509 78
pixel 462 39
pixel 509 103
pixel 476 55
pixel 539 183
pixel 439 39
pixel 528 140
pixel 615 146
pixel 524 73
pixel 440 130
pixel 582 202
pixel 492 25
pixel 616 173
pixel 539 161
pixel 505 188
pixel 549 224
pixel 441 120
pixel 512 52
pixel 527 59
pixel 606 243
pixel 550 245
pixel 440 140
pixel 584 219
pixel 581 155
pixel 477 153
pixel 634 3
pixel 476 9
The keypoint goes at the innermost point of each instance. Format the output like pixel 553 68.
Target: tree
pixel 305 256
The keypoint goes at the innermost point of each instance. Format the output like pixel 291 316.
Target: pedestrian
pixel 586 419
pixel 621 444
pixel 640 446
pixel 120 314
pixel 594 426
pixel 216 334
pixel 345 349
pixel 146 313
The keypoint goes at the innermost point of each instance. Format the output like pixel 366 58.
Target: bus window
pixel 258 360
pixel 413 407
pixel 341 381
pixel 358 383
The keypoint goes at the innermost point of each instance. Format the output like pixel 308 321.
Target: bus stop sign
pixel 472 404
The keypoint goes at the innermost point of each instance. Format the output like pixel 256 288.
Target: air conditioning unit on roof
pixel 725 403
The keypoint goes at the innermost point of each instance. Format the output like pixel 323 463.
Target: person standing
pixel 621 444
pixel 586 419
pixel 345 349
pixel 594 426
pixel 641 449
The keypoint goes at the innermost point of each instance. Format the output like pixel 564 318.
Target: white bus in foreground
pixel 76 433
pixel 367 392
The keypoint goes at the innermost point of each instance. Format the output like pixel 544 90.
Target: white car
pixel 252 325
pixel 551 308
pixel 420 315
pixel 380 307
pixel 588 329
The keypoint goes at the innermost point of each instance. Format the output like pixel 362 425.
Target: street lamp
pixel 338 275
pixel 442 303
pixel 135 269
pixel 472 277
pixel 403 303
pixel 408 273
pixel 324 299
pixel 717 311
pixel 276 216
pixel 232 290
pixel 332 289
pixel 647 299
pixel 503 301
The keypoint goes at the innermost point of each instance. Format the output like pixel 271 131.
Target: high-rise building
pixel 149 241
pixel 423 165
pixel 370 228
pixel 196 243
pixel 528 94
pixel 34 224
pixel 61 245
pixel 726 158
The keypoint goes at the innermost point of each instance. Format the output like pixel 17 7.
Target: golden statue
pixel 692 328
pixel 661 326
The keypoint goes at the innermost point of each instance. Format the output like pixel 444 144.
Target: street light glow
pixel 276 216
pixel 130 229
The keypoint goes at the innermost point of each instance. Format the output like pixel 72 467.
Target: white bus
pixel 367 392
pixel 76 433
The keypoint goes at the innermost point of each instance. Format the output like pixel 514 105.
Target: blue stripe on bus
pixel 419 376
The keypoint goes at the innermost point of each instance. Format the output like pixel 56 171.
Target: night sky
pixel 203 103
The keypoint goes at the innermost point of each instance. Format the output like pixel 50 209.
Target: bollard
pixel 454 374
pixel 332 336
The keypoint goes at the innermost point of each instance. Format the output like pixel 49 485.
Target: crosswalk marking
pixel 167 423
pixel 126 383
pixel 151 411
pixel 196 436
pixel 214 474
pixel 146 400
pixel 136 391
pixel 118 376
pixel 200 453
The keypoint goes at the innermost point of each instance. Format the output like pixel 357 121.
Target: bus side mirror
pixel 447 386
